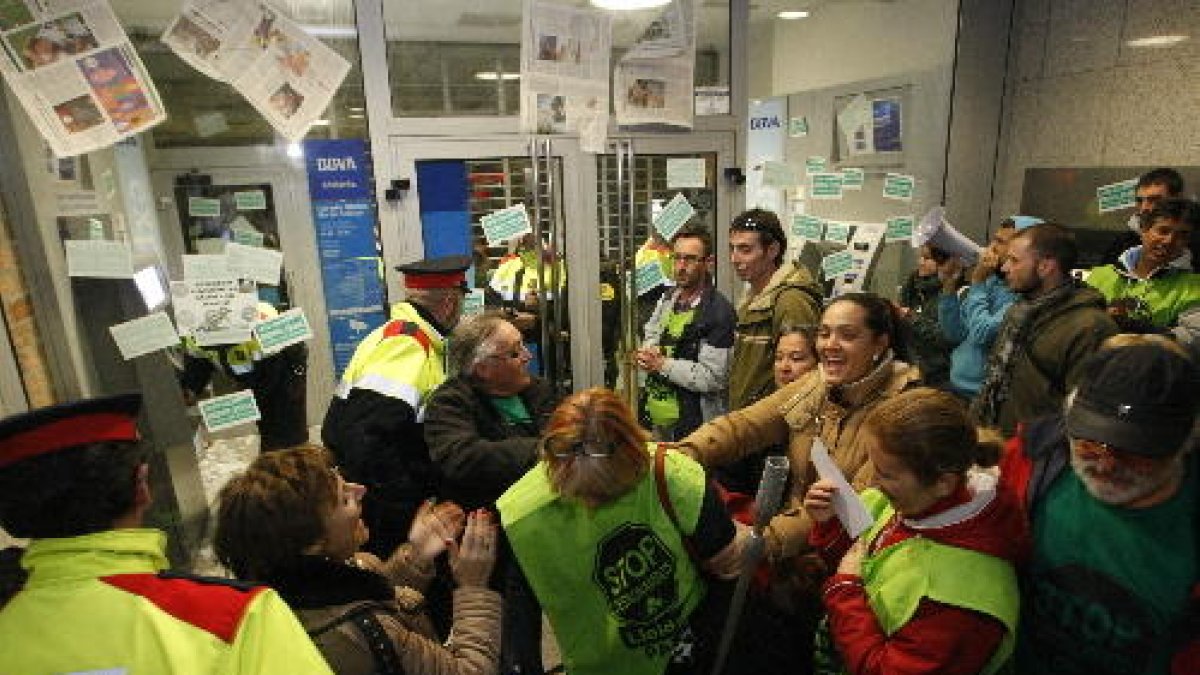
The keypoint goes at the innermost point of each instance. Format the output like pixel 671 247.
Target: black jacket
pixel 478 454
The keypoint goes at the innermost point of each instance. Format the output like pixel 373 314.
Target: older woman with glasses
pixel 292 522
pixel 613 569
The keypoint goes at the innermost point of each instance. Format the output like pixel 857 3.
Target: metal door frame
pixel 297 238
pixel 403 242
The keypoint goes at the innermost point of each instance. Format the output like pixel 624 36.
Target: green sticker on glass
pixel 797 127
pixel 853 179
pixel 836 264
pixel 203 206
pixel 899 186
pixel 838 232
pixel 673 216
pixel 284 330
pixel 899 228
pixel 1117 196
pixel 826 186
pixel 231 410
pixel 251 200
pixel 501 227
pixel 648 277
pixel 815 164
pixel 248 236
pixel 809 227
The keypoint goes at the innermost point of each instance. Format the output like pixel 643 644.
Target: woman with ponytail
pixel 930 586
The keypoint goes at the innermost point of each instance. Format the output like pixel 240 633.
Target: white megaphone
pixel 936 231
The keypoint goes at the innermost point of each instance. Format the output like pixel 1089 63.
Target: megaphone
pixel 936 231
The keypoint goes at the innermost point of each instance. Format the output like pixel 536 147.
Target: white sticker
pixel 142 336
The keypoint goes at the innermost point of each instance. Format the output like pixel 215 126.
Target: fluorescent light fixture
pixel 355 116
pixel 492 76
pixel 1158 41
pixel 355 108
pixel 320 123
pixel 792 15
pixel 295 151
pixel 330 31
pixel 627 5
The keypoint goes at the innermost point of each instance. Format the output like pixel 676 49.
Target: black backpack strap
pixel 365 619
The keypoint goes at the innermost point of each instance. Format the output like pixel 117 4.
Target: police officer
pixel 373 425
pixel 74 479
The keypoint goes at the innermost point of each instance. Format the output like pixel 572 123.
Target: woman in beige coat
pixel 860 345
pixel 292 522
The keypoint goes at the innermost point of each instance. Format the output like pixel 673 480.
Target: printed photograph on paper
pixel 645 93
pixel 79 114
pixel 193 38
pixel 286 101
pixel 559 48
pixel 265 29
pixel 14 13
pixel 551 114
pixel 45 43
pixel 118 89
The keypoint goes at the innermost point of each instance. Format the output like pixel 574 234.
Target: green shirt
pixel 662 403
pixel 1106 582
pixel 512 409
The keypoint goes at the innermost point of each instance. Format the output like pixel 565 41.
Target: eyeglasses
pixel 517 352
pixel 1094 451
pixel 566 449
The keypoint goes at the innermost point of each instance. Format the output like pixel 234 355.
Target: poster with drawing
pixel 654 80
pixel 215 311
pixel 75 73
pixel 564 72
pixel 285 73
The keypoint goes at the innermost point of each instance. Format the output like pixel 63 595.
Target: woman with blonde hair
pixel 291 521
pixel 607 528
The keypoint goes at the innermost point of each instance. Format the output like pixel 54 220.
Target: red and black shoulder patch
pixel 214 605
pixel 400 327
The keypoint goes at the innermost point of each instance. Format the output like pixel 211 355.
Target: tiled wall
pixel 23 330
pixel 1079 96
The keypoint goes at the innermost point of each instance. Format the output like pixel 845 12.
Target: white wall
pixel 852 41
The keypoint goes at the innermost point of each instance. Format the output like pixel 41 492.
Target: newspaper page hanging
pixel 654 80
pixel 564 72
pixel 75 73
pixel 285 73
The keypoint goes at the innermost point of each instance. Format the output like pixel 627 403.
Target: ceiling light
pixel 330 31
pixel 320 123
pixel 295 151
pixel 492 76
pixel 627 5
pixel 790 15
pixel 1157 41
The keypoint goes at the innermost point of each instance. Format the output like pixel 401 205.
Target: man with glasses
pixel 1112 489
pixel 373 425
pixel 482 427
pixel 685 354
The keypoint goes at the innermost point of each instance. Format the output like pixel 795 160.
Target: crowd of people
pixel 1021 438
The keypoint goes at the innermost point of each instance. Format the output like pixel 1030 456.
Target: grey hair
pixel 470 342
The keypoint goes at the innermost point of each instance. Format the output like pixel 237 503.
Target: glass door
pixel 582 207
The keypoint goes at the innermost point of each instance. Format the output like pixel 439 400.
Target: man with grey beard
pixel 1112 489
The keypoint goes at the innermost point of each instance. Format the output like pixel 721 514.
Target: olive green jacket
pixel 791 297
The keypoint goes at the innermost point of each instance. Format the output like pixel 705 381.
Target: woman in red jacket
pixel 930 585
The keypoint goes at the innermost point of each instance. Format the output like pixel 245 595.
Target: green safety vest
pixel 1163 296
pixel 615 581
pixel 899 576
pixel 513 279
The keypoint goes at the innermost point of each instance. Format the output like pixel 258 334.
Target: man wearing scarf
pixel 1046 335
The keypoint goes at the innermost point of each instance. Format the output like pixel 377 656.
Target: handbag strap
pixel 363 618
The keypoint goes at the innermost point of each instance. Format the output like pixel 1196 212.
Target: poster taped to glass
pixel 285 73
pixel 75 73
pixel 654 80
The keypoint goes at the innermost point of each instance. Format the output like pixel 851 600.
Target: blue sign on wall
pixel 337 169
pixel 344 216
